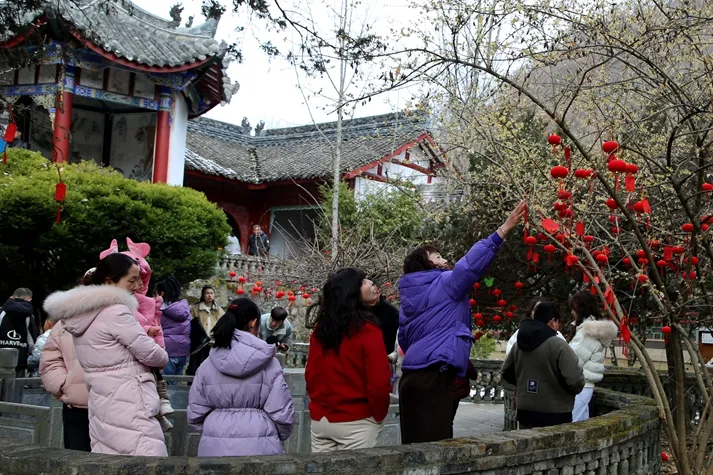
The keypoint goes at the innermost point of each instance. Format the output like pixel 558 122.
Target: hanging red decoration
pixel 554 140
pixel 560 173
pixel 501 303
pixel 693 260
pixel 509 315
pixel 568 157
pixel 643 207
pixel 532 255
pixel 472 302
pixel 480 323
pixel 476 286
pixel 707 187
pixel 519 286
pixel 611 204
pixel 642 278
pixel 610 147
pixel 630 182
pixel 239 291
pixel 497 293
pixel 279 295
pixel 241 279
pixel 602 258
pixel 564 195
pixel 627 262
pixel 550 249
pixel 588 240
pixel 60 195
pixel 616 167
pixel 582 174
pixel 571 260
pixel 666 331
pixel 664 456
pixel 497 318
pixel 232 274
pixel 687 228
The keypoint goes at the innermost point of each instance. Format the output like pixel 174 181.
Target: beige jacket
pixel 62 375
pixel 209 315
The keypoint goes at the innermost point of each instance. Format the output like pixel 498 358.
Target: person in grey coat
pixel 277 328
pixel 545 371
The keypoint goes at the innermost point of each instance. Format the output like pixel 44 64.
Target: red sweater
pixel 352 385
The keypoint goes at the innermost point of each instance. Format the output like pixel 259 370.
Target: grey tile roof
pixel 226 150
pixel 120 27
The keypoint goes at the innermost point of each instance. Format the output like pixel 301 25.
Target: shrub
pixel 183 228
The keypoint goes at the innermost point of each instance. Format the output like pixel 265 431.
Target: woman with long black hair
pixel 347 372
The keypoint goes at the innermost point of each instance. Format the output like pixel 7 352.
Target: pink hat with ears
pixel 138 252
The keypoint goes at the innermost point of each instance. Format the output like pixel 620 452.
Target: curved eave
pixel 19 39
pixel 210 85
pixel 134 65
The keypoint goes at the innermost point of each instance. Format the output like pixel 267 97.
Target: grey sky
pixel 269 88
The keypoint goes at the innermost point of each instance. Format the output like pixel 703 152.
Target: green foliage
pixel 392 215
pixel 483 347
pixel 182 227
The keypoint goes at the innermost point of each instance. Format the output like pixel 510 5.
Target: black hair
pixel 584 305
pixel 417 260
pixel 278 314
pixel 113 268
pixel 238 317
pixel 206 287
pixel 545 312
pixel 340 310
pixel 171 289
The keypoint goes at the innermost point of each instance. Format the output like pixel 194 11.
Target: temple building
pixel 113 83
pixel 272 178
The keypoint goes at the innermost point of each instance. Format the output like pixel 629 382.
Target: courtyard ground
pixel 478 419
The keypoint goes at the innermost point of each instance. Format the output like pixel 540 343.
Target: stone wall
pixel 625 441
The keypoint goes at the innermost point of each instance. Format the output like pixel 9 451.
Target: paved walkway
pixel 478 419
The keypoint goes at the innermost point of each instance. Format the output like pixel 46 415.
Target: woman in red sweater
pixel 347 372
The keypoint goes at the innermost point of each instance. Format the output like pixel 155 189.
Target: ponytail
pixel 238 317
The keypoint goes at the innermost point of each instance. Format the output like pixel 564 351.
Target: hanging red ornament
pixel 232 274
pixel 661 264
pixel 476 286
pixel 582 174
pixel 571 260
pixel 642 278
pixel 530 241
pixel 497 293
pixel 501 303
pixel 588 240
pixel 602 258
pixel 559 172
pixel 509 315
pixel 687 228
pixel 616 167
pixel 472 302
pixel 564 195
pixel 480 323
pixel 579 229
pixel 610 147
pixel 60 195
pixel 478 316
pixel 643 207
pixel 704 227
pixel 239 291
pixel 693 260
pixel 664 456
pixel 568 157
pixel 630 182
pixel 241 279
pixel 627 262
pixel 666 331
pixel 707 187
pixel 554 140
pixel 550 249
pixel 519 286
pixel 654 244
pixel 611 204
pixel 497 318
pixel 279 295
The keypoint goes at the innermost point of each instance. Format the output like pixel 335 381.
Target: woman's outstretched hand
pixel 513 219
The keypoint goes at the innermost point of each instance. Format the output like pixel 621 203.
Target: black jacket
pixel 388 317
pixel 258 245
pixel 18 329
pixel 547 375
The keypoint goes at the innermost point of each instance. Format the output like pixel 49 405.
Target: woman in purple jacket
pixel 435 332
pixel 176 325
pixel 239 397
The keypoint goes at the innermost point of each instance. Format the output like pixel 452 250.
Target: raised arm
pixel 129 333
pixel 469 269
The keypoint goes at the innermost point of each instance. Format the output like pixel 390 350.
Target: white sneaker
pixel 165 424
pixel 165 408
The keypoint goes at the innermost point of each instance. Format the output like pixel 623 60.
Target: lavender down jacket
pixel 434 319
pixel 240 400
pixel 176 323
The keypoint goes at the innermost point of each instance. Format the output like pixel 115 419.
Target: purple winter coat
pixel 434 319
pixel 176 324
pixel 240 400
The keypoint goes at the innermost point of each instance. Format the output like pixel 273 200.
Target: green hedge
pixel 184 229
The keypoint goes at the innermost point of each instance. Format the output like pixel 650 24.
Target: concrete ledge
pixel 623 441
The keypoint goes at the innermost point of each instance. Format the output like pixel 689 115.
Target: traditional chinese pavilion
pixel 273 178
pixel 114 84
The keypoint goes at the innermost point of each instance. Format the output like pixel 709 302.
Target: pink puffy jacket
pixel 116 355
pixel 62 375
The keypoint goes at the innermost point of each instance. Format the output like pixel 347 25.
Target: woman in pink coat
pixel 117 356
pixel 63 377
pixel 239 398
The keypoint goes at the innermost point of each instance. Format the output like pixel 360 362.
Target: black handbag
pixel 199 336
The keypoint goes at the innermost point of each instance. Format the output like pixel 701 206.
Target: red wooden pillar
pixel 63 117
pixel 163 134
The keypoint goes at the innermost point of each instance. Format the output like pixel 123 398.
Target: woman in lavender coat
pixel 435 332
pixel 239 397
pixel 176 325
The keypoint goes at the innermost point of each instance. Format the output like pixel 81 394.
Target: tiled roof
pixel 120 27
pixel 218 148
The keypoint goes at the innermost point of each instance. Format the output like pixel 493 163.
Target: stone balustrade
pixel 253 266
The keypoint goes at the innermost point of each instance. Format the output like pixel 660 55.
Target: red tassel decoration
pixel 60 194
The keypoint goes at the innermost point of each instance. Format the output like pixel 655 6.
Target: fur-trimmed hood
pixel 77 308
pixel 604 331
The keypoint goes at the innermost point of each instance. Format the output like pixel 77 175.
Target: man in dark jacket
pixel 258 242
pixel 545 371
pixel 17 327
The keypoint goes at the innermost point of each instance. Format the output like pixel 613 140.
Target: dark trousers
pixel 75 423
pixel 426 404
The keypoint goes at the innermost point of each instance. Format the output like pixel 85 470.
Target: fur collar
pixel 603 330
pixel 86 298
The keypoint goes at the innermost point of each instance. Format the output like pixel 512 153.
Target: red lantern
pixel 501 303
pixel 571 260
pixel 476 286
pixel 232 274
pixel 694 260
pixel 611 204
pixel 627 262
pixel 241 279
pixel 617 166
pixel 610 147
pixel 550 249
pixel 642 278
pixel 60 194
pixel 497 318
pixel 643 207
pixel 602 258
pixel 305 295
pixel 478 316
pixel 661 264
pixel 582 174
pixel 497 293
pixel 707 187
pixel 640 253
pixel 279 294
pixel 472 302
pixel 554 140
pixel 480 323
pixel 239 291
pixel 532 255
pixel 664 456
pixel 564 195
pixel 509 315
pixel 559 172
pixel 666 332
pixel 519 286
pixel 588 240
pixel 291 298
pixel 687 228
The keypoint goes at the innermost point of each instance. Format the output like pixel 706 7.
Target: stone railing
pixel 31 415
pixel 297 356
pixel 253 266
pixel 624 439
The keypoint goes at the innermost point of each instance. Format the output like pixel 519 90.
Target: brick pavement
pixel 478 419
